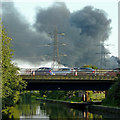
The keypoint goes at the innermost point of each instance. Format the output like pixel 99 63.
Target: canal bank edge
pixel 105 109
pixel 91 106
pixel 76 105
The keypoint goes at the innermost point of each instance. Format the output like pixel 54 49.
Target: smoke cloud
pixel 27 43
pixel 85 32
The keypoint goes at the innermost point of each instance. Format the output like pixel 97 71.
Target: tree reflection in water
pixel 60 111
pixel 49 111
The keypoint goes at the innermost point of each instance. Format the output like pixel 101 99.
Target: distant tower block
pixel 119 33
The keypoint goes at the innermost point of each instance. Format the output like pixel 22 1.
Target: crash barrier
pixel 69 77
pixel 82 74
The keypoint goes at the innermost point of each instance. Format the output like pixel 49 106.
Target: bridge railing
pixel 68 77
pixel 75 75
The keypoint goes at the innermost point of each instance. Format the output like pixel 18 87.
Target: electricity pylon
pixel 56 56
pixel 103 55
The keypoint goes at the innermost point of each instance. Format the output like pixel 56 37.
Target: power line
pixel 103 54
pixel 56 44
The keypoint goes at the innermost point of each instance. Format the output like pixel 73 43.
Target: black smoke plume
pixel 85 31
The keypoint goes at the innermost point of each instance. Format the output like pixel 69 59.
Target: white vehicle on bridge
pixel 63 71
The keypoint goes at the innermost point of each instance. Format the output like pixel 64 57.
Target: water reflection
pixel 32 111
pixel 60 111
pixel 51 111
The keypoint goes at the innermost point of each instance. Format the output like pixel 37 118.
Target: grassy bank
pixel 113 96
pixel 104 109
pixel 71 96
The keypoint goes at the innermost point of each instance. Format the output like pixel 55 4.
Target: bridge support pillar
pixel 86 95
pixel 83 95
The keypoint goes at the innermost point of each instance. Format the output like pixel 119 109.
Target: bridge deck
pixel 67 77
pixel 68 82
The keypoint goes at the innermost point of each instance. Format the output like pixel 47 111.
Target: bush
pixel 113 96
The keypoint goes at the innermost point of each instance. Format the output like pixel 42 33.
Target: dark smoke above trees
pixel 85 30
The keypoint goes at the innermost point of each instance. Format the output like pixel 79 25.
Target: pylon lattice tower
pixel 103 55
pixel 56 59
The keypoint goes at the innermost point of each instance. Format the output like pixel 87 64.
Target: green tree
pixel 113 95
pixel 90 66
pixel 12 83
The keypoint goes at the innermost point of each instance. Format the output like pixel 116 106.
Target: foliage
pixel 113 95
pixel 25 97
pixel 91 66
pixel 10 113
pixel 12 83
pixel 61 95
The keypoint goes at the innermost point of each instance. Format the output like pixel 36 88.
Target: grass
pixel 93 97
pixel 97 96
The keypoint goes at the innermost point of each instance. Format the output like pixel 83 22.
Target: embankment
pixel 94 107
pixel 105 109
pixel 77 105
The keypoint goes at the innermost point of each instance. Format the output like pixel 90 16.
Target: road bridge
pixel 100 83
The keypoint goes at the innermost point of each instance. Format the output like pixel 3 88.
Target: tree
pixel 91 66
pixel 12 83
pixel 113 96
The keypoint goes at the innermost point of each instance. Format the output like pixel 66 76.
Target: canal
pixel 54 111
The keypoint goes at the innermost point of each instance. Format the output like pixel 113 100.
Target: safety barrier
pixel 69 77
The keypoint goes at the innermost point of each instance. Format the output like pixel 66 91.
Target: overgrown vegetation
pixel 61 95
pixel 113 95
pixel 72 96
pixel 90 66
pixel 12 83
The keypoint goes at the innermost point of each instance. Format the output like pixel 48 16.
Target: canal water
pixel 53 111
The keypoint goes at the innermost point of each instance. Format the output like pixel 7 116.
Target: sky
pixel 29 8
pixel 109 6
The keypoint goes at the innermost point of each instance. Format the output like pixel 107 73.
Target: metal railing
pixel 75 75
pixel 68 77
